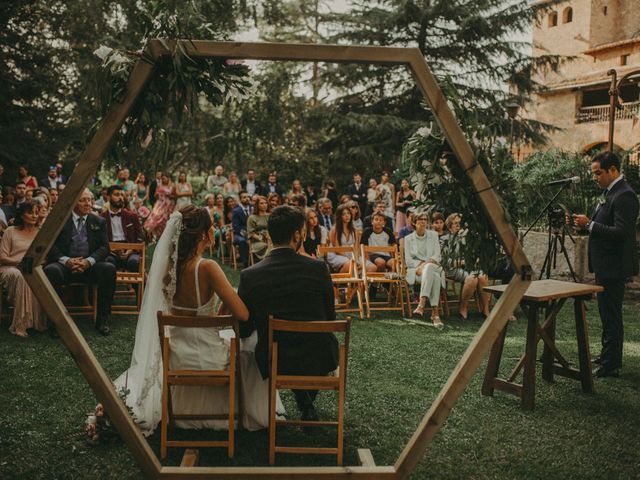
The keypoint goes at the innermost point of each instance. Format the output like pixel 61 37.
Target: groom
pixel 290 287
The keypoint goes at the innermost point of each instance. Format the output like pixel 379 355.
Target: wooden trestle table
pixel 550 295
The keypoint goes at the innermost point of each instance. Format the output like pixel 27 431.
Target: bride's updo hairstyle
pixel 196 222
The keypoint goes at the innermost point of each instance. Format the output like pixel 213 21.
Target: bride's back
pixel 186 288
pixel 195 286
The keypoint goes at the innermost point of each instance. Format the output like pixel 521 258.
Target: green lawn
pixel 395 371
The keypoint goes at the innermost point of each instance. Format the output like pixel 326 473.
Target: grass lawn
pixel 395 371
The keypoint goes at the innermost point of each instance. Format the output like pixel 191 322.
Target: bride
pixel 184 283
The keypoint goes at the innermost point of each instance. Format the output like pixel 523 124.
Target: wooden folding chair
pixel 391 279
pixel 133 282
pixel 213 378
pixel 307 382
pixel 347 284
pixel 89 297
pixel 402 270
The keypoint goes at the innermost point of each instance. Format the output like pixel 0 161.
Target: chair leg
pixel 232 404
pixel 367 299
pixel 164 420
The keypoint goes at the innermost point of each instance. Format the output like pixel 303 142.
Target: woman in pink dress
pixel 162 208
pixel 16 240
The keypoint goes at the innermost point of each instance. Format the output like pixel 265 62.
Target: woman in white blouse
pixel 422 257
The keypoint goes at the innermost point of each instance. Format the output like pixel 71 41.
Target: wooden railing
pixel 601 113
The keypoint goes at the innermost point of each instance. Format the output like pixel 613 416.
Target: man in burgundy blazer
pixel 122 226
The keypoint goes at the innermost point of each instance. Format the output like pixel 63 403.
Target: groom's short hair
pixel 283 222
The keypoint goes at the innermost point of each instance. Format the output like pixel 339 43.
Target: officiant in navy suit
pixel 613 255
pixel 290 286
pixel 78 256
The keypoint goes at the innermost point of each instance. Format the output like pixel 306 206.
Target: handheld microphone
pixel 565 181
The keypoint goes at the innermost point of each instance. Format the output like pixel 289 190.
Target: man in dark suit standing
pixel 51 180
pixel 239 217
pixel 613 256
pixel 291 287
pixel 123 226
pixel 78 256
pixel 251 184
pixel 272 186
pixel 358 192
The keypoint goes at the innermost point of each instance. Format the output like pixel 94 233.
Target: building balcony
pixel 600 113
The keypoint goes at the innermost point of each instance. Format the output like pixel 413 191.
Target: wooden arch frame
pixel 89 162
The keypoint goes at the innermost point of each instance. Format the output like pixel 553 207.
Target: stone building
pixel 598 35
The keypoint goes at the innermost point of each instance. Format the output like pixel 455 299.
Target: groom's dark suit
pixel 290 287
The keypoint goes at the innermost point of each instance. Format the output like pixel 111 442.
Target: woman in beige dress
pixel 27 312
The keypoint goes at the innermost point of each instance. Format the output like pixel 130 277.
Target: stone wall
pixel 535 247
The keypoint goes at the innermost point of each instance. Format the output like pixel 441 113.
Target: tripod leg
pixel 563 248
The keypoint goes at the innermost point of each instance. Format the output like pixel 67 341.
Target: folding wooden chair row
pixel 192 377
pixel 348 284
pixel 391 279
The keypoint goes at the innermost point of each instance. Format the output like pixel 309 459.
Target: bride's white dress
pixel 191 348
pixel 208 349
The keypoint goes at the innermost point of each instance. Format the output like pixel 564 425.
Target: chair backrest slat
pixel 310 326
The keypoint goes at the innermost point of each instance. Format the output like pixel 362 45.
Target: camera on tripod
pixel 557 216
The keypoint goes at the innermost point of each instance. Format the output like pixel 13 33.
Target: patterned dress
pixel 161 211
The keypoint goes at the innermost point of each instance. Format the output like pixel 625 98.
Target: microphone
pixel 565 181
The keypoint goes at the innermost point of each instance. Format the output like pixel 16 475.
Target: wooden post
pixel 94 373
pixel 465 156
pixel 87 165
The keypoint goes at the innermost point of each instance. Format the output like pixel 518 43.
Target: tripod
pixel 556 239
pixel 557 231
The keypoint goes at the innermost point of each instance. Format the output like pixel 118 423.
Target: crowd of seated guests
pixel 374 215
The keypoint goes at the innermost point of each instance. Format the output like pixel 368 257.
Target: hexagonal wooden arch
pixel 89 161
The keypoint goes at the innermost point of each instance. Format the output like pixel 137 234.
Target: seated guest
pixel 8 204
pixel 53 195
pixel 316 234
pixel 123 226
pixel 437 223
pixel 27 312
pixel 452 246
pixel 354 208
pixel 379 207
pixel 380 236
pixel 239 221
pixel 299 200
pixel 20 193
pixel 257 228
pixel 422 258
pixel 42 200
pixel 410 226
pixel 343 234
pixel 290 287
pixel 325 213
pixel 273 199
pixel 78 256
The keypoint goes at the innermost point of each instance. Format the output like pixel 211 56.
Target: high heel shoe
pixel 419 310
pixel 437 322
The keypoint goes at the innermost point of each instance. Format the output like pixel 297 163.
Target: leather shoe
pixel 309 414
pixel 603 371
pixel 102 327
